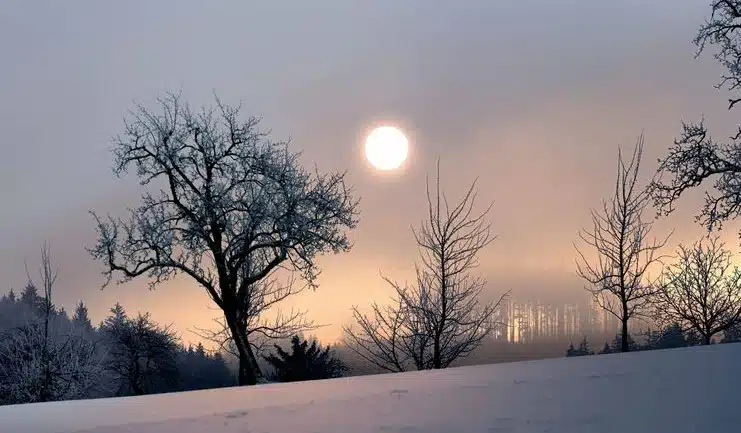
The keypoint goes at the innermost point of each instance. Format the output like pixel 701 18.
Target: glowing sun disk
pixel 386 148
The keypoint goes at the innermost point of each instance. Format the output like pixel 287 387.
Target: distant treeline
pixel 46 355
pixel 671 337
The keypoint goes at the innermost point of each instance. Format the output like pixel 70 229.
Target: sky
pixel 532 97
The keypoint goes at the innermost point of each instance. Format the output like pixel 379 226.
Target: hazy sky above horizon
pixel 533 97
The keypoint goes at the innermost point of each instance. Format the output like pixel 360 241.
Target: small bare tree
pixel 233 207
pixel 48 277
pixel 439 319
pixel 701 291
pixel 42 361
pixel 618 277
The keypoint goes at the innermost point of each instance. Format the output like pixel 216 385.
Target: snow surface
pixel 674 391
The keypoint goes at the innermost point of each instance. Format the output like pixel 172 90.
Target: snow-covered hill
pixel 674 391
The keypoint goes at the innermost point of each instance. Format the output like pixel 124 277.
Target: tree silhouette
pixel 619 236
pixel 233 208
pixel 142 355
pixel 732 334
pixel 606 349
pixel 670 337
pixel 583 349
pixel 618 343
pixel 440 319
pixel 199 369
pixel 304 362
pixel 701 291
pixel 80 317
pixel 696 157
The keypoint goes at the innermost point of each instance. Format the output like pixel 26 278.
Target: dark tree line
pixel 45 355
pixel 42 356
pixel 670 337
pixel 123 356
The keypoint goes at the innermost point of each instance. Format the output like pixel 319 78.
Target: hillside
pixel 681 390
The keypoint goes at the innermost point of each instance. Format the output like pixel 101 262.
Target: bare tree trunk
pixel 624 346
pixel 247 330
pixel 248 369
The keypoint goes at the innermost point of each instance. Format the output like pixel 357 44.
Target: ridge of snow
pixel 678 390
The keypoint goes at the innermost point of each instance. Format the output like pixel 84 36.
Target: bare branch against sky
pixel 696 157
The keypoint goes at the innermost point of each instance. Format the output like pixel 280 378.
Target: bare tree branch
pixel 695 156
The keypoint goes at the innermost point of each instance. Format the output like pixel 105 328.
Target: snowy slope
pixel 674 391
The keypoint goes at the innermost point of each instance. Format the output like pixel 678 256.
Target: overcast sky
pixel 534 97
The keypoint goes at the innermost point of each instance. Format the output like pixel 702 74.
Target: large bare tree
pixel 696 156
pixel 701 291
pixel 619 237
pixel 439 319
pixel 226 206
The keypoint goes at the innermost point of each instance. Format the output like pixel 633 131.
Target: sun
pixel 386 148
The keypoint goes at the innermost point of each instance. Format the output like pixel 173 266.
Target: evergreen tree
pixel 617 343
pixel 200 370
pixel 570 351
pixel 583 349
pixel 671 337
pixel 605 350
pixel 305 362
pixel 30 298
pixel 30 295
pixel 80 318
pixel 732 334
